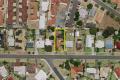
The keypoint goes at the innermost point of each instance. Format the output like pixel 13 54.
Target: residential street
pixel 59 56
pixel 49 61
pixel 107 7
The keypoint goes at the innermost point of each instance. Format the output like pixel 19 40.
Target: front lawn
pixel 111 76
pixel 88 51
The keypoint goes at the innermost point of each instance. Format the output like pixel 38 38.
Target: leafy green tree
pixel 115 7
pixel 109 1
pixel 108 32
pixel 93 30
pixel 90 6
pixel 102 8
pixel 71 61
pixel 52 28
pixel 48 48
pixel 61 65
pixel 117 19
pixel 33 34
pixel 85 0
pixel 67 65
pixel 4 62
pixel 51 37
pixel 77 63
pixel 79 23
pixel 77 15
pixel 76 19
pixel 112 15
pixel 104 0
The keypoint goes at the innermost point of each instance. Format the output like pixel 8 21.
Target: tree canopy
pixel 79 23
pixel 90 6
pixel 108 32
pixel 93 30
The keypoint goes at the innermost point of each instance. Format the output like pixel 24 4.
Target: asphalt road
pixel 107 7
pixel 59 56
pixel 54 69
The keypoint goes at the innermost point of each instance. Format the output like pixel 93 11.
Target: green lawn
pixel 30 49
pixel 111 76
pixel 100 51
pixel 85 78
pixel 88 51
pixel 41 50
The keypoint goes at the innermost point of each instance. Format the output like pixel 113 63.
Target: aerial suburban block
pixel 59 39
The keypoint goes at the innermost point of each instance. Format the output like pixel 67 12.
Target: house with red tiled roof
pixel 1 3
pixel 1 18
pixel 117 44
pixel 1 78
pixel 12 16
pixel 23 11
pixel 117 72
pixel 10 77
pixel 76 70
pixel 1 12
pixel 33 10
pixel 10 12
pixel 33 14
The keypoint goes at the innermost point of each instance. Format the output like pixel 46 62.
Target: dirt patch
pixel 108 21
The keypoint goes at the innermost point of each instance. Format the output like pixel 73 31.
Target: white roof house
pixel 42 21
pixel 11 41
pixel 69 44
pixel 83 13
pixel 91 70
pixel 41 75
pixel 77 33
pixel 89 40
pixel 48 42
pixel 3 71
pixel 40 44
pixel 44 5
pixel 21 70
pixel 10 32
pixel 99 44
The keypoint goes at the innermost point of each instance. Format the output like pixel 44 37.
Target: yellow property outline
pixel 64 41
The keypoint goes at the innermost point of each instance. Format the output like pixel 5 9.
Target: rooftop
pixel 33 9
pixel 54 10
pixel 99 16
pixel 89 40
pixel 1 17
pixel 76 70
pixel 109 44
pixel 117 72
pixel 118 44
pixel 1 3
